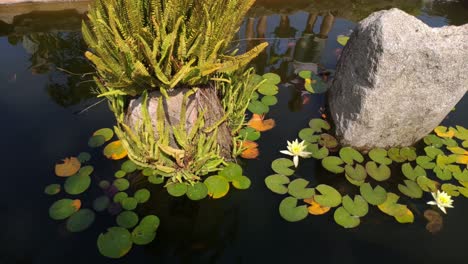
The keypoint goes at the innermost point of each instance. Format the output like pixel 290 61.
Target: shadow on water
pixel 43 80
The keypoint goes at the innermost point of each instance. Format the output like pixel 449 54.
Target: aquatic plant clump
pixel 441 169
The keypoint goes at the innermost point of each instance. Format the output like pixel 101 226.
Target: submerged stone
pixel 397 79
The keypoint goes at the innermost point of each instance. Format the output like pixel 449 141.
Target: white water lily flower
pixel 296 150
pixel 442 200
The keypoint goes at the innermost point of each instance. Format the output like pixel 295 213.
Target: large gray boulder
pixel 397 79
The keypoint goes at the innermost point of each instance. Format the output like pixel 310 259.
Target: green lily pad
pixel 433 140
pixel 241 182
pixel 332 164
pixel 391 206
pixel 461 176
pixel 328 141
pixel 80 220
pixel 107 133
pixel 77 184
pixel 316 152
pixel 84 157
pixel 318 125
pixel 142 235
pixel 345 219
pixel 62 209
pixel 353 181
pixel 465 144
pixel 276 183
pixel 129 166
pixel 129 203
pixel 305 74
pixel 461 133
pixel 148 172
pixel 258 107
pixel 177 189
pixel 155 179
pixel 408 153
pixel 115 243
pixel 443 160
pixel 254 96
pixel 443 174
pixel 142 195
pixel 458 150
pixel 357 207
pixel 231 171
pixel 52 189
pixel 86 170
pixel 357 173
pixel 120 174
pixel 463 191
pixel 432 152
pixel 96 141
pixel 282 166
pixel 101 203
pixel 269 100
pixel 104 184
pixel 127 219
pixel 411 189
pixel 411 173
pixel 395 155
pixel 298 189
pixel 379 173
pixel 425 162
pixel 307 134
pixel 374 196
pixel 249 133
pixel 218 186
pixel 289 210
pixel 268 89
pixel 450 189
pixel 119 197
pixel 197 191
pixel 272 78
pixel 150 222
pixel 426 184
pixel 379 155
pixel 328 197
pixel 121 184
pixel 349 155
pixel 450 142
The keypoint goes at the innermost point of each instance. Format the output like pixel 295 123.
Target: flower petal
pixel 296 161
pixel 442 209
pixel 287 152
pixel 432 203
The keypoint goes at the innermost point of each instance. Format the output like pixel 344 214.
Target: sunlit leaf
pixel 345 219
pixel 318 125
pixel 307 134
pixel 143 235
pixel 258 107
pixel 342 39
pixel 427 184
pixel 349 155
pixel 142 195
pixel 127 219
pixel 328 141
pixel 249 133
pixel 442 131
pixel 315 208
pixel 129 203
pixel 425 162
pixel 197 191
pixel 218 186
pixel 269 100
pixel 461 176
pixel 101 203
pixel 374 196
pixel 128 166
pixel 52 189
pixel 316 152
pixel 289 210
pixel 250 153
pixel 462 159
pixel 268 89
pixel 282 166
pixel 328 196
pixel 433 140
pixel 69 167
pixel 432 152
pixel 241 182
pixel 276 183
pixel 391 206
pixel 395 155
pixel 258 123
pixel 443 174
pixel 379 173
pixel 357 173
pixel 411 173
pixel 298 189
pixel 450 189
pixel 450 142
pixel 80 220
pixel 115 150
pixel 305 74
pixel 357 207
pixel 333 164
pixel 411 189
pixel 64 208
pixel 107 133
pixel 231 171
pixel 379 155
pixel 77 184
pixel 353 181
pixel 115 243
pixel 408 153
pixel 177 189
pixel 272 78
pixel 458 150
pixel 405 217
pixel 462 134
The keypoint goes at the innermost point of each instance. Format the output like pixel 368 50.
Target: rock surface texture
pixel 397 79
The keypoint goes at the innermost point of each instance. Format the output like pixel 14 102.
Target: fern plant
pixel 163 44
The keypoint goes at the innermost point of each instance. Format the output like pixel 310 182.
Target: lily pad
pixel 155 179
pixel 405 217
pixel 379 173
pixel 64 208
pixel 462 176
pixel 127 219
pixel 316 152
pixel 353 181
pixel 52 189
pixel 308 135
pixel 395 155
pixel 80 220
pixel 426 184
pixel 283 166
pixel 289 210
pixel 69 167
pixel 218 186
pixel 104 184
pixel 150 222
pixel 374 196
pixel 86 170
pixel 408 153
pixel 357 207
pixel 142 235
pixel 258 107
pixel 411 189
pixel 142 195
pixel 450 189
pixel 120 174
pixel 268 89
pixel 333 164
pixel 84 157
pixel 177 189
pixel 349 155
pixel 249 133
pixel 119 197
pixel 345 219
pixel 129 203
pixel 276 183
pixel 315 208
pixel 77 184
pixel 272 78
pixel 101 203
pixel 129 166
pixel 318 125
pixel 461 133
pixel 121 184
pixel 197 191
pixel 241 182
pixel 231 171
pixel 269 100
pixel 298 189
pixel 450 142
pixel 390 206
pixel 379 155
pixel 115 243
pixel 357 173
pixel 411 173
pixel 328 141
pixel 115 150
pixel 425 162
pixel 305 74
pixel 107 133
pixel 96 141
pixel 443 174
pixel 444 132
pixel 433 140
pixel 432 152
pixel 328 196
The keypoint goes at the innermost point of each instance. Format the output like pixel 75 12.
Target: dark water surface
pixel 42 122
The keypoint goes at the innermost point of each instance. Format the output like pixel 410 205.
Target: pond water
pixel 45 117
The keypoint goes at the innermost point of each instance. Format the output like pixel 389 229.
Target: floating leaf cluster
pixel 441 165
pixel 313 83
